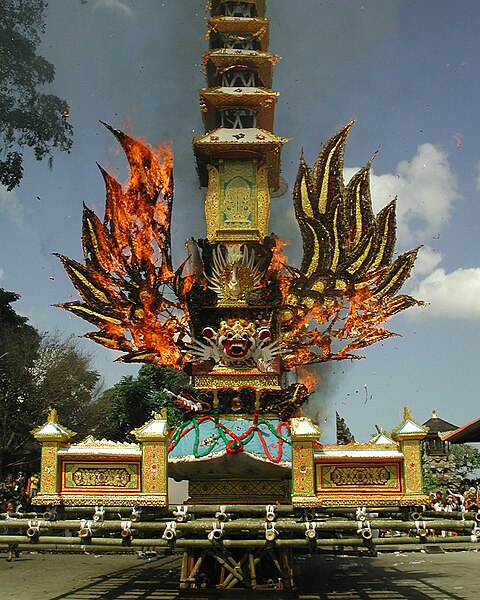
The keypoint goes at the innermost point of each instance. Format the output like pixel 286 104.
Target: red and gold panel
pixel 413 466
pixel 98 477
pixel 154 468
pixel 355 476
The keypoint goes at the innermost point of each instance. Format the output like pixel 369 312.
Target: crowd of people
pixel 17 492
pixel 464 498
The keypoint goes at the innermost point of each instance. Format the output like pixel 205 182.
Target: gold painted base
pixel 101 500
pixel 236 379
pixel 359 500
pixel 237 490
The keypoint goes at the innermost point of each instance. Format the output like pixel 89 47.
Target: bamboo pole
pixel 236 565
pixel 449 515
pixel 251 566
pixel 197 565
pixel 225 565
pixel 183 570
pixel 110 543
pixel 244 526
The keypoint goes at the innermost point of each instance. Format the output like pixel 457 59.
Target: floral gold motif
pixel 236 489
pixel 48 483
pixel 303 472
pixel 359 476
pixel 412 466
pixel 154 467
pixel 108 499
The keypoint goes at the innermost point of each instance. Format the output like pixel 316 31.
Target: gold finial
pixel 407 413
pixel 162 415
pixel 434 414
pixel 53 416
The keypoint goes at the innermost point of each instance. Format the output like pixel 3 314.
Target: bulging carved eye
pixel 229 335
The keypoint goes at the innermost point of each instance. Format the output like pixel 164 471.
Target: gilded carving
pixel 212 202
pixel 101 476
pixel 107 499
pixel 371 500
pixel 48 484
pixel 412 466
pixel 263 201
pixel 236 381
pixel 237 489
pixel 359 476
pixel 238 195
pixel 303 473
pixel 237 204
pixel 154 467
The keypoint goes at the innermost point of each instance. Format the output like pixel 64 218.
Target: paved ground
pixel 397 576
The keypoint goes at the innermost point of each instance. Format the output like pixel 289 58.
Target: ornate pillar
pixel 51 435
pixel 153 437
pixel 304 433
pixel 409 435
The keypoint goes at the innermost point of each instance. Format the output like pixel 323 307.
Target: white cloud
pixel 427 260
pixel 11 207
pixel 426 189
pixel 2 273
pixel 452 295
pixel 477 169
pixel 115 5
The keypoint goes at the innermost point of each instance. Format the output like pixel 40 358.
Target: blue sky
pixel 406 71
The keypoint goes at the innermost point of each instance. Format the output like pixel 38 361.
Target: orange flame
pixel 128 261
pixel 277 265
pixel 308 378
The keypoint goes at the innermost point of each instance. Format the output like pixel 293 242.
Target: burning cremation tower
pixel 241 323
pixel 238 372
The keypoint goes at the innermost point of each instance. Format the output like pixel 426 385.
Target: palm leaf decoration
pixel 127 280
pixel 348 279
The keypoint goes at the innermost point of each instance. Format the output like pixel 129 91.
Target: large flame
pixel 333 305
pixel 128 268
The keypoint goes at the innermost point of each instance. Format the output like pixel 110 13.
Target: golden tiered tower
pixel 238 158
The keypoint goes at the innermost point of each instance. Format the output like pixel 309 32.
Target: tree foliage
pixel 463 460
pixel 38 373
pixel 130 403
pixel 465 457
pixel 29 117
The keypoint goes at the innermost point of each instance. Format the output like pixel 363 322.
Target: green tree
pixel 38 373
pixel 463 460
pixel 19 344
pixel 63 378
pixel 29 117
pixel 130 403
pixel 465 457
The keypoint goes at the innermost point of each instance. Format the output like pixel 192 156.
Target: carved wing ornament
pixel 347 263
pixel 335 303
